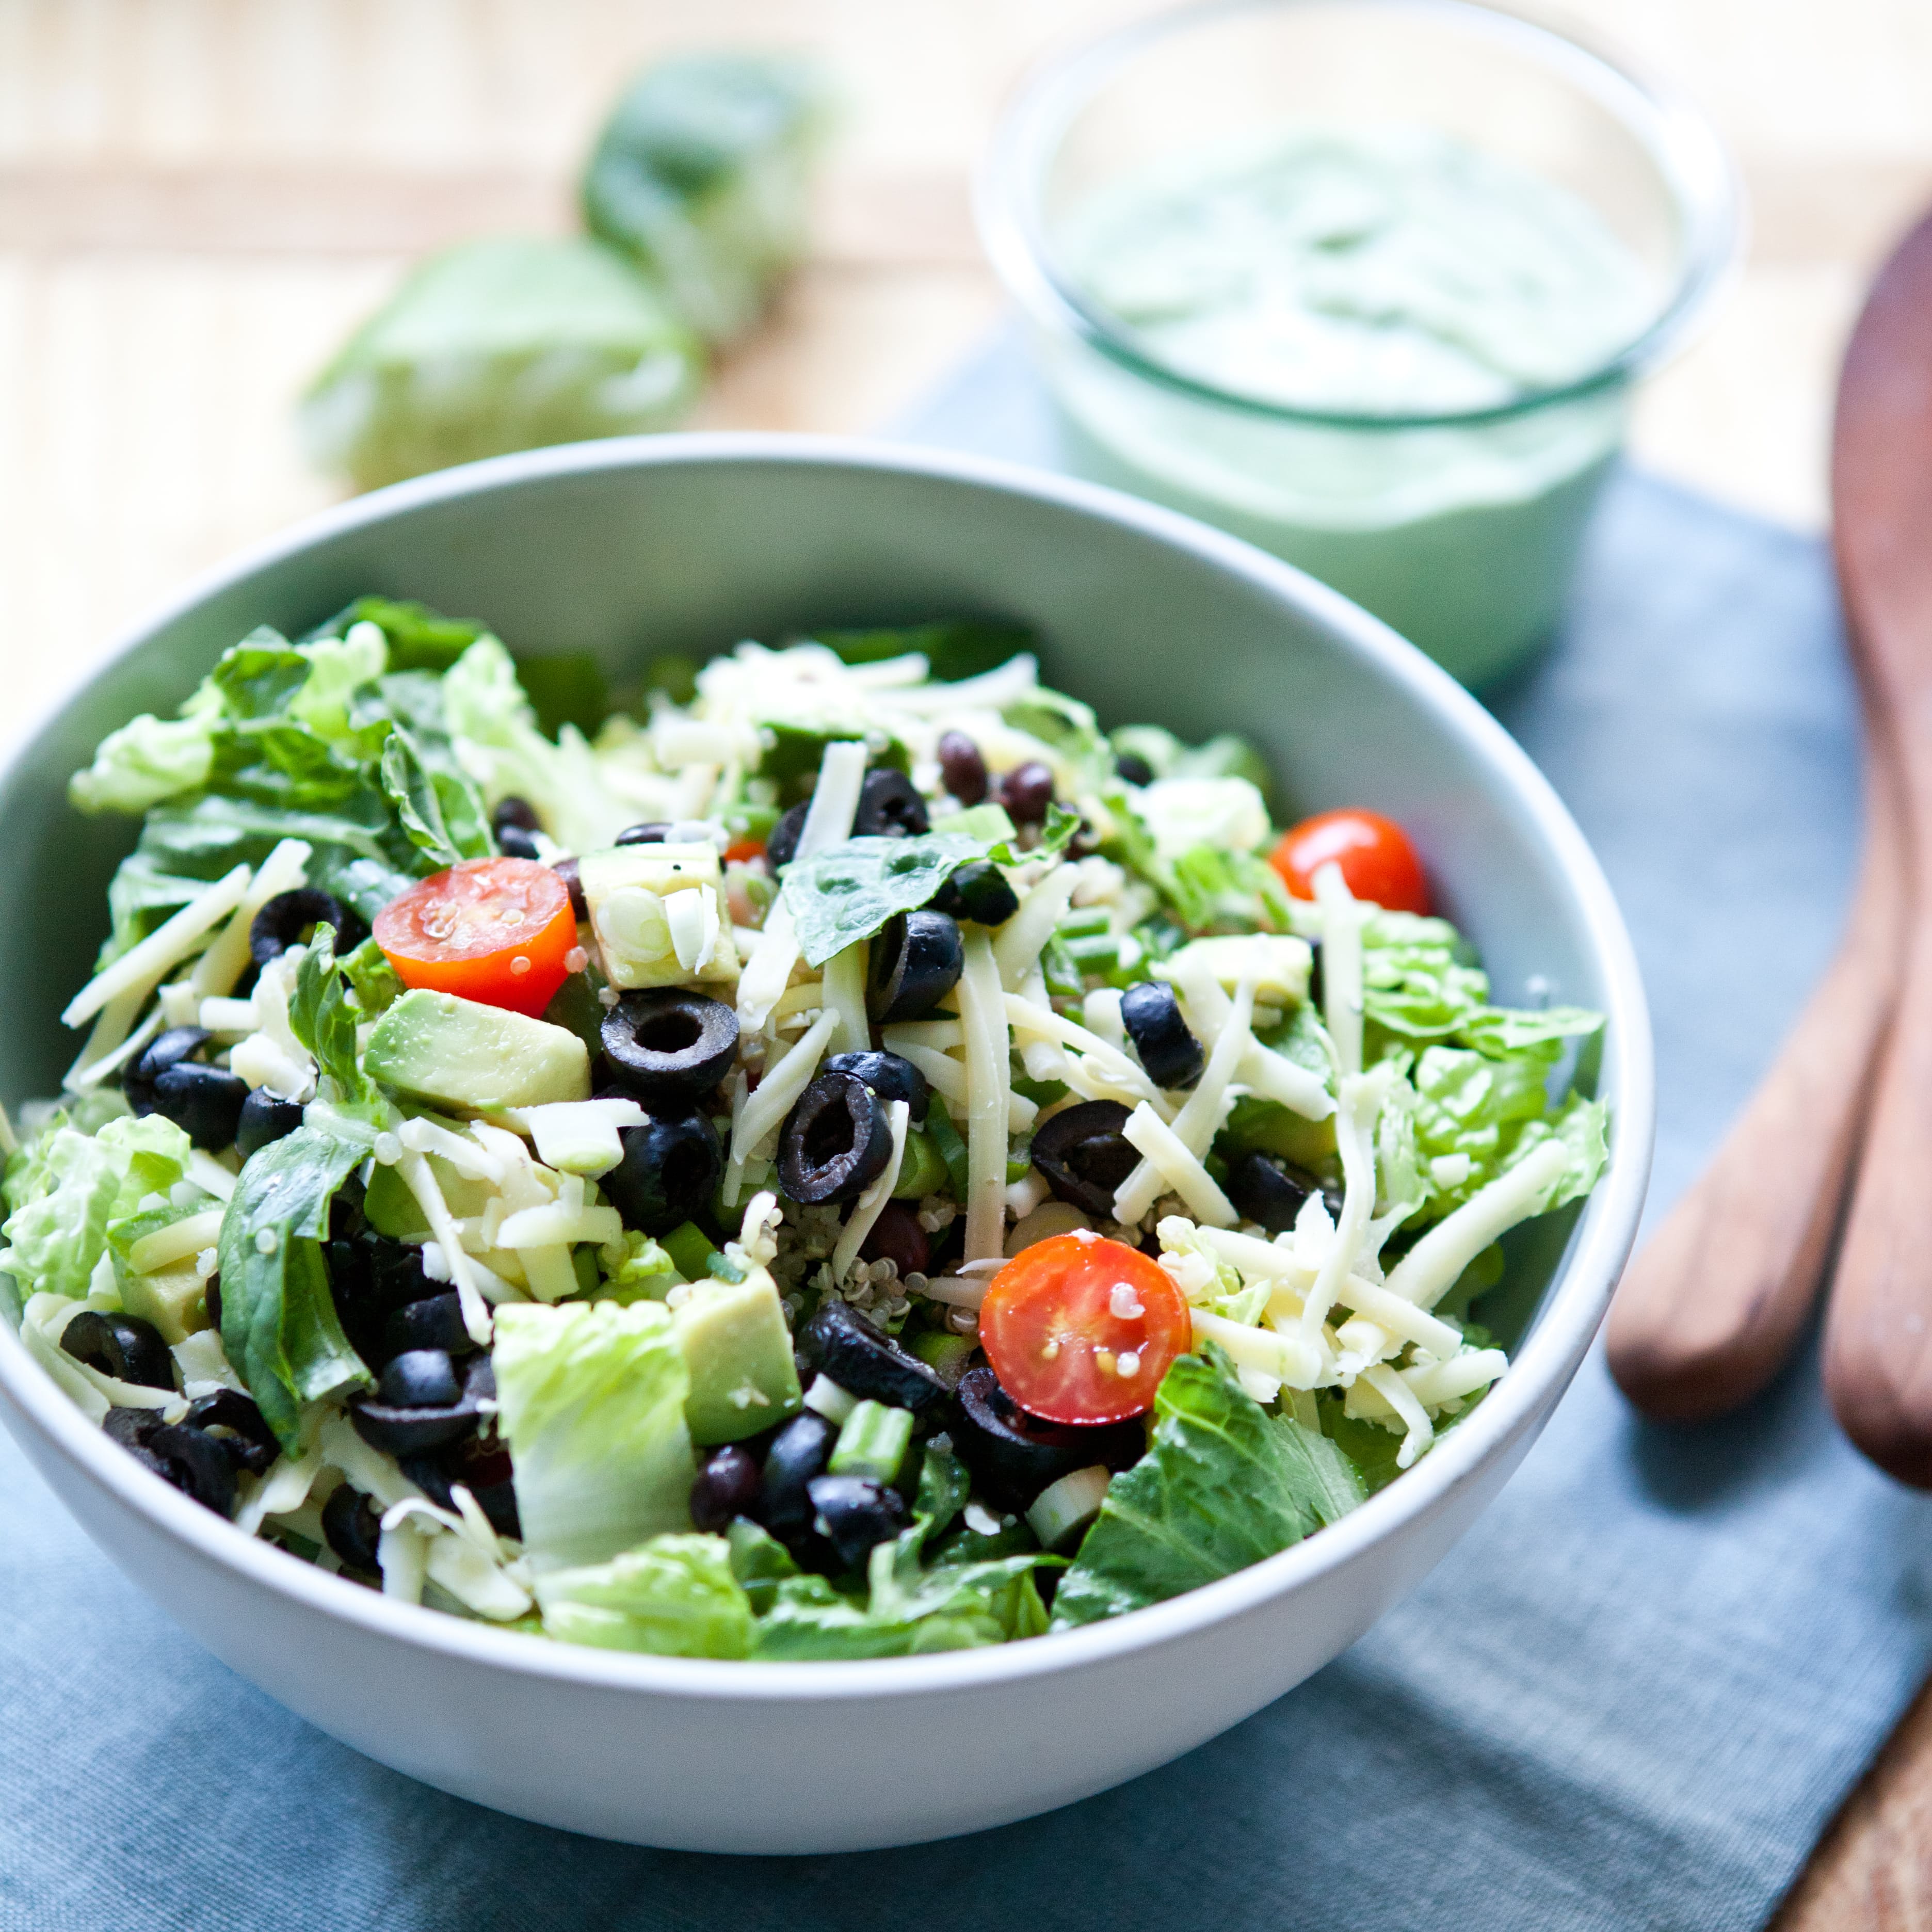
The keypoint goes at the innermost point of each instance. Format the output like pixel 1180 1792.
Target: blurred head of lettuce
pixel 696 199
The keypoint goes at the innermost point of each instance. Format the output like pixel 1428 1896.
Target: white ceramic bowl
pixel 630 547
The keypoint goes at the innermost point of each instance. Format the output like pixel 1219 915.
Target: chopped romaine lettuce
pixel 674 1595
pixel 593 1407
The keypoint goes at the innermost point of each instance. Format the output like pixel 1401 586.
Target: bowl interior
pixel 627 549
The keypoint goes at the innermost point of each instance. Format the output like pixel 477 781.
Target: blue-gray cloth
pixel 1632 1696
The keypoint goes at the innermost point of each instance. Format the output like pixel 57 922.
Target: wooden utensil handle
pixel 1708 1311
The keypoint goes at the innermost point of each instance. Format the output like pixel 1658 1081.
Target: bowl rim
pixel 1575 1302
pixel 1683 144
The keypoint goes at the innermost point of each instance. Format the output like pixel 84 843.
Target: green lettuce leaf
pixel 419 639
pixel 674 1596
pixel 321 1018
pixel 849 891
pixel 439 810
pixel 64 1188
pixel 279 1326
pixel 1223 1484
pixel 373 980
pixel 593 1407
pixel 147 760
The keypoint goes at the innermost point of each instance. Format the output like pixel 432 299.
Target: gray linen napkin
pixel 1632 1696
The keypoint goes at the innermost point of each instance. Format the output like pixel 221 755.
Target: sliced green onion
pixel 872 1442
pixel 827 1398
pixel 1082 924
pixel 1063 1509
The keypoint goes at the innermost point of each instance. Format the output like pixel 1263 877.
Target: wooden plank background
pixel 199 198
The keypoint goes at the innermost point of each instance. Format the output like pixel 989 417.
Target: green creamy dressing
pixel 1380 272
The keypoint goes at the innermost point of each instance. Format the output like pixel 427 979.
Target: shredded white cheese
pixel 834 799
pixel 844 994
pixel 867 1209
pixel 988 1076
pixel 1342 917
pixel 420 1180
pixel 1017 947
pixel 1431 1267
pixel 1361 1101
pixel 767 973
pixel 1173 1161
pixel 284 870
pixel 143 967
pixel 771 1101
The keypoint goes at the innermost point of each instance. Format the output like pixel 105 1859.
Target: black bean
pixel 435 1322
pixel 890 1077
pixel 567 870
pixel 197 1464
pixel 123 1346
pixel 978 891
pixel 836 1142
pixel 857 1514
pixel 177 1046
pixel 671 1167
pixel 517 812
pixel 264 1117
pixel 1134 768
pixel 1027 792
pixel 727 1485
pixel 653 831
pixel 962 770
pixel 890 807
pixel 897 1237
pixel 420 1378
pixel 1013 1456
pixel 1264 1188
pixel 1084 1153
pixel 1169 1052
pixel 915 962
pixel 289 918
pixel 798 1453
pixel 353 1527
pixel 669 1043
pixel 205 1103
pixel 514 842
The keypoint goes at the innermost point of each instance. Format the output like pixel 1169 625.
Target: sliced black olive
pixel 234 1421
pixel 205 1103
pixel 123 1346
pixel 915 962
pixel 178 1044
pixel 1134 768
pixel 798 1454
pixel 671 1168
pixel 289 918
pixel 197 1464
pixel 857 1514
pixel 889 1076
pixel 131 1427
pixel 516 813
pixel 890 807
pixel 836 1141
pixel 670 1043
pixel 1027 792
pixel 514 842
pixel 264 1117
pixel 481 1464
pixel 1085 1154
pixel 653 831
pixel 961 769
pixel 419 1378
pixel 727 1485
pixel 570 873
pixel 1014 1455
pixel 435 1322
pixel 370 1277
pixel 979 892
pixel 1151 1014
pixel 1265 1188
pixel 400 1430
pixel 840 1344
pixel 781 848
pixel 353 1527
pixel 897 1237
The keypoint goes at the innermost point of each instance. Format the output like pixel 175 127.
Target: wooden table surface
pixel 199 198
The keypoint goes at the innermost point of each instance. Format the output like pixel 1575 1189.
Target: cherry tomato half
pixel 1374 853
pixel 492 930
pixel 1080 1330
pixel 740 849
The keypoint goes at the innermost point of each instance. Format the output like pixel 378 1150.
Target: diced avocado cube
pixel 460 1054
pixel 174 1299
pixel 659 915
pixel 738 1350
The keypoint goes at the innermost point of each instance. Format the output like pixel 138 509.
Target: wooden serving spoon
pixel 1878 1338
pixel 1709 1311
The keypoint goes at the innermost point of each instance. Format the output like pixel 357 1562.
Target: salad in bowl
pixel 842 1159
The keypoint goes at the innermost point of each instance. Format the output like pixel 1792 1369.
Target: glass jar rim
pixel 1689 154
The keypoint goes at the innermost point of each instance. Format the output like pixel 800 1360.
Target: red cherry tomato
pixel 492 930
pixel 1374 853
pixel 737 853
pixel 1080 1330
